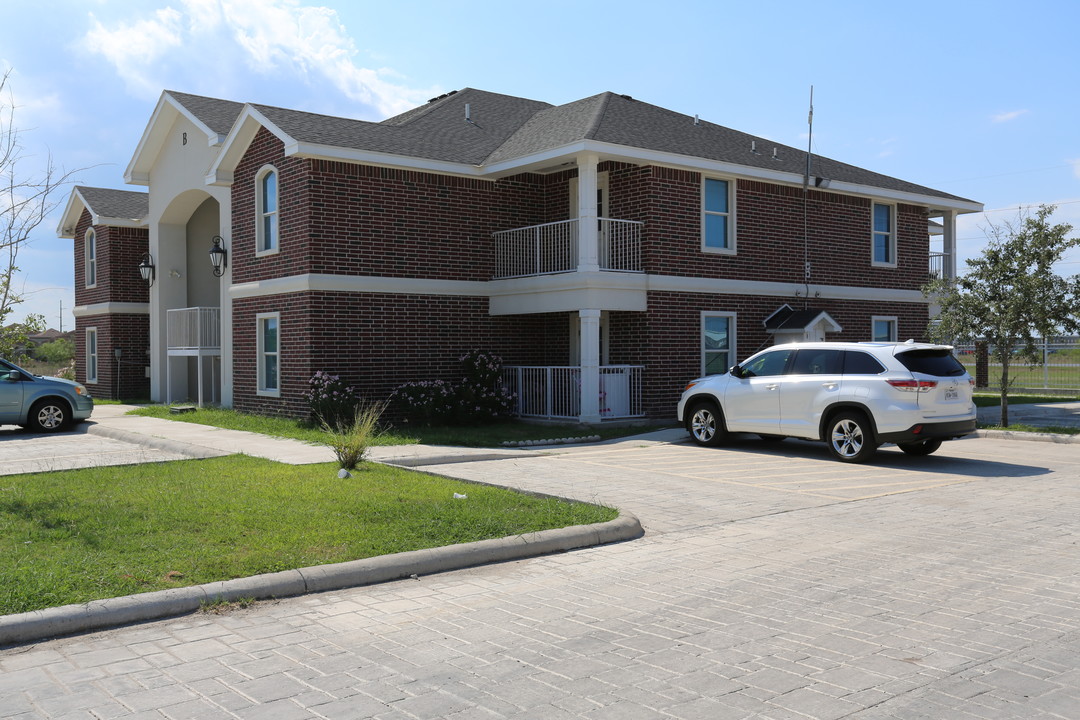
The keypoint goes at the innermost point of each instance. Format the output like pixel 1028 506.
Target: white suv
pixel 854 396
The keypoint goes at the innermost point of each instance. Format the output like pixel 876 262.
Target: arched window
pixel 266 192
pixel 91 258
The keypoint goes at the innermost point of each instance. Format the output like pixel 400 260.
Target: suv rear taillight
pixel 913 385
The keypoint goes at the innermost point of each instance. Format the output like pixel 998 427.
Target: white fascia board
pixel 236 144
pixel 931 201
pixel 370 157
pixel 72 210
pixel 111 308
pixel 720 286
pixel 569 292
pixel 358 284
pixel 537 160
pixel 119 222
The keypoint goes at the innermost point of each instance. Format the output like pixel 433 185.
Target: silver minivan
pixel 41 404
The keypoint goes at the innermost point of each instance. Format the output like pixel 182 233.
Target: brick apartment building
pixel 607 249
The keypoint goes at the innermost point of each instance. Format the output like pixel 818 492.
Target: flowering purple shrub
pixel 479 397
pixel 425 402
pixel 482 397
pixel 332 402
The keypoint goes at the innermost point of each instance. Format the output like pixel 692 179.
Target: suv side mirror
pixel 735 371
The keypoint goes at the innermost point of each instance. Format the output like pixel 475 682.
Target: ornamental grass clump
pixel 350 440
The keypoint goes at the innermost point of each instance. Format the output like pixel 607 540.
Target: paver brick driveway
pixel 771 583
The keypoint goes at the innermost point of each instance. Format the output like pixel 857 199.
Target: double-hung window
pixel 717 216
pixel 268 355
pixel 717 342
pixel 91 258
pixel 91 355
pixel 884 329
pixel 884 235
pixel 266 191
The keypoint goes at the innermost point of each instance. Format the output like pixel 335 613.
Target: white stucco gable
pixel 157 131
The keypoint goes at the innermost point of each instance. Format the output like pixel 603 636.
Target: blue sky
pixel 979 99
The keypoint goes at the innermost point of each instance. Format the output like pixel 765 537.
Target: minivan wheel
pixel 850 437
pixel 922 447
pixel 48 416
pixel 705 423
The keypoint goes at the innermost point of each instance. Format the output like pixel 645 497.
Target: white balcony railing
pixel 194 329
pixel 554 392
pixel 553 248
pixel 937 265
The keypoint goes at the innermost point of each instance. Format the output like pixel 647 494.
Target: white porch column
pixel 948 221
pixel 588 237
pixel 590 364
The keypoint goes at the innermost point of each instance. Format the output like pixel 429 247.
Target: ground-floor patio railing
pixel 554 392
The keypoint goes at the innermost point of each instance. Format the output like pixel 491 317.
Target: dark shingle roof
pixel 218 115
pixel 123 204
pixel 436 131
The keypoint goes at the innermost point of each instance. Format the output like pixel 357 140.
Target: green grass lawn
pixel 80 535
pixel 464 435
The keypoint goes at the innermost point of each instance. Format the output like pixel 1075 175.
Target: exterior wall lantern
pixel 219 258
pixel 146 268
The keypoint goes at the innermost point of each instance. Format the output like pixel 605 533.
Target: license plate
pixel 952 394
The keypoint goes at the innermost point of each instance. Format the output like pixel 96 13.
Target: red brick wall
pixel 376 342
pixel 119 251
pixel 344 218
pixel 131 335
pixel 769 232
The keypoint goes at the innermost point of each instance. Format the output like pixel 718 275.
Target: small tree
pixel 1010 295
pixel 25 202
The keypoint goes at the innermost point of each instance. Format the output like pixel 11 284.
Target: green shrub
pixel 426 402
pixel 331 400
pixel 58 352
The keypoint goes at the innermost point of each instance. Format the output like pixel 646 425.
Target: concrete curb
pixel 1029 436
pixel 112 612
pixel 158 443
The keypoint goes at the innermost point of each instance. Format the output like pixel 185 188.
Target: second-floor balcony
pixel 553 248
pixel 194 331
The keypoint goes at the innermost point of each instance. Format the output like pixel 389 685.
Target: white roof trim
pixel 73 211
pixel 153 137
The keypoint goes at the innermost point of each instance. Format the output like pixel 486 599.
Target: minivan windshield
pixel 937 362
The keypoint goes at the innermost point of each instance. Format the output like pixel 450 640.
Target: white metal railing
pixel 554 392
pixel 937 265
pixel 196 328
pixel 536 250
pixel 553 248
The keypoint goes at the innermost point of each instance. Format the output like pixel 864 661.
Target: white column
pixel 948 221
pixel 590 364
pixel 588 237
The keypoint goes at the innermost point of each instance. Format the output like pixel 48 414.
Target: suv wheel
pixel 850 437
pixel 48 416
pixel 922 447
pixel 705 423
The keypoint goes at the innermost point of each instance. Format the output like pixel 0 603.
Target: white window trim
pixel 96 355
pixel 732 248
pixel 885 318
pixel 733 356
pixel 892 235
pixel 260 234
pixel 90 258
pixel 260 381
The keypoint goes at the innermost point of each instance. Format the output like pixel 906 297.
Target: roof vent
pixel 697 120
pixel 775 155
pixel 626 97
pixel 753 147
pixel 443 96
pixel 468 113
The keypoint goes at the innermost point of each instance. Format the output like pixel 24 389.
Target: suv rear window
pixel 939 363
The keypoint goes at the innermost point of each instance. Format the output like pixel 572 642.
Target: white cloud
pixel 134 48
pixel 1007 116
pixel 205 39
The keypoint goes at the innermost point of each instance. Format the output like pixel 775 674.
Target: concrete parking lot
pixel 772 582
pixel 26 452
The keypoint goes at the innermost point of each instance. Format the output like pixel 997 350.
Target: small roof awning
pixel 787 320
